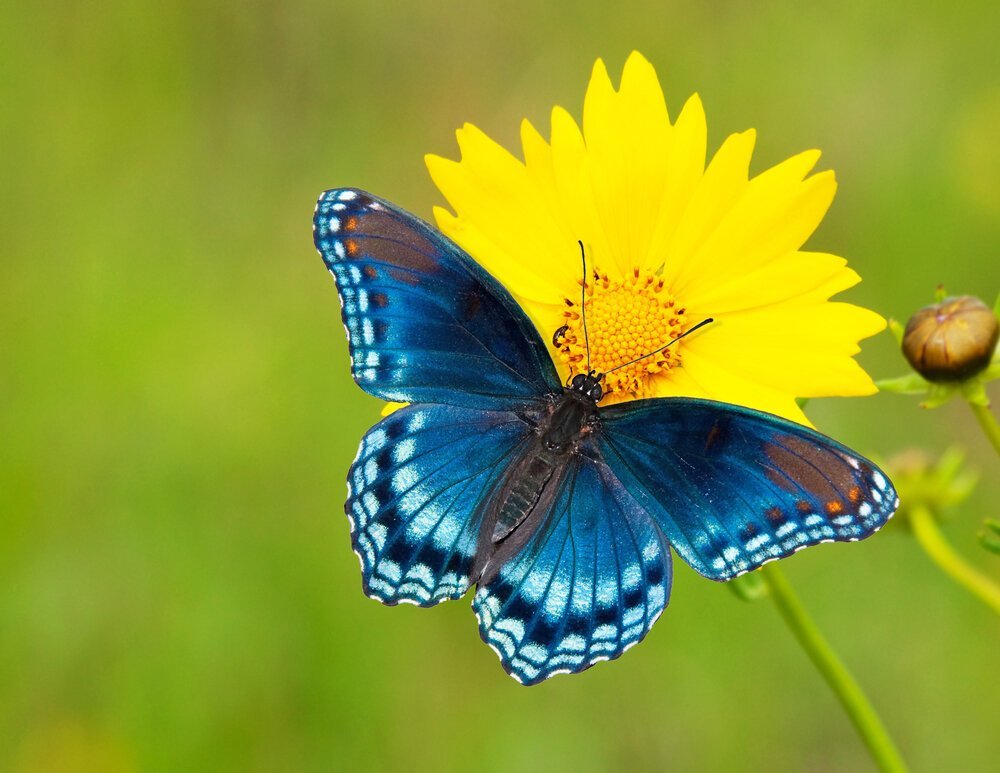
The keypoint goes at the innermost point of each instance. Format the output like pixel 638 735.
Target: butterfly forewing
pixel 733 488
pixel 425 323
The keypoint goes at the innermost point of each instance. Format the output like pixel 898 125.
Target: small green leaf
pixel 992 372
pixel 897 330
pixel 910 384
pixel 989 537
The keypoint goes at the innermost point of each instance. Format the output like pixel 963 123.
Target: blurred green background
pixel 177 589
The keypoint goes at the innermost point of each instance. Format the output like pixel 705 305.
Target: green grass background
pixel 177 589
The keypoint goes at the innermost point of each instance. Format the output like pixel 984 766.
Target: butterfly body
pixel 570 417
pixel 561 512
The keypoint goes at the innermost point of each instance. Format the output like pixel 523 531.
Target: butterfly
pixel 561 512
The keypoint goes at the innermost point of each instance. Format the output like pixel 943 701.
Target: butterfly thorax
pixel 570 417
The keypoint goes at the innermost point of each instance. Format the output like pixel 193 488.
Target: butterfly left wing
pixel 733 488
pixel 592 578
pixel 425 322
pixel 415 496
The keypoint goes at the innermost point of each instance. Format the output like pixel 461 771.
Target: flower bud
pixel 951 340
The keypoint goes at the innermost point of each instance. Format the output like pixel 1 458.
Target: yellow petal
pixel 495 209
pixel 772 218
pixel 719 380
pixel 804 350
pixel 717 191
pixel 799 276
pixel 685 167
pixel 571 170
pixel 541 174
pixel 628 136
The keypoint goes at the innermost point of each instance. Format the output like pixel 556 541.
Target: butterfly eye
pixel 578 380
pixel 595 392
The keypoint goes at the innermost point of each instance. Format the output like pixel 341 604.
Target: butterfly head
pixel 588 385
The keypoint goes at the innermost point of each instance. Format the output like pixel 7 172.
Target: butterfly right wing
pixel 733 488
pixel 425 322
pixel 416 491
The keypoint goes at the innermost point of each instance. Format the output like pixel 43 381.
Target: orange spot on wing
pixel 351 246
pixel 803 506
pixel 833 507
pixel 775 514
pixel 854 494
pixel 351 224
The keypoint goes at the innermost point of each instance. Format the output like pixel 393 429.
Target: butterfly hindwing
pixel 415 490
pixel 425 322
pixel 589 583
pixel 733 488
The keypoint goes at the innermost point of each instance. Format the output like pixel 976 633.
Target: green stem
pixel 931 539
pixel 847 690
pixel 988 422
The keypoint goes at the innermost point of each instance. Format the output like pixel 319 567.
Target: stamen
pixel 626 318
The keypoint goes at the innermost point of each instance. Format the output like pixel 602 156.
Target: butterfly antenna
pixel 655 351
pixel 583 302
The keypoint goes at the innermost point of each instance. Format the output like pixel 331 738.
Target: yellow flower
pixel 668 242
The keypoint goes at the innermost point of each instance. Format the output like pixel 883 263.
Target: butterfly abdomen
pixel 528 483
pixel 530 486
pixel 516 508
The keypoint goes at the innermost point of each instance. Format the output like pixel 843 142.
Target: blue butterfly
pixel 562 513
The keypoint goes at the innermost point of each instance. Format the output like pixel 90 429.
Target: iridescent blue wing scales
pixel 733 488
pixel 589 583
pixel 425 322
pixel 415 493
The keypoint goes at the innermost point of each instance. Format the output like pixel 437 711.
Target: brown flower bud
pixel 951 340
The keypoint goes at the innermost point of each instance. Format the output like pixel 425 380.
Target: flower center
pixel 626 319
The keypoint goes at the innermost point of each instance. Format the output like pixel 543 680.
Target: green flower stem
pixel 931 539
pixel 988 422
pixel 853 699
